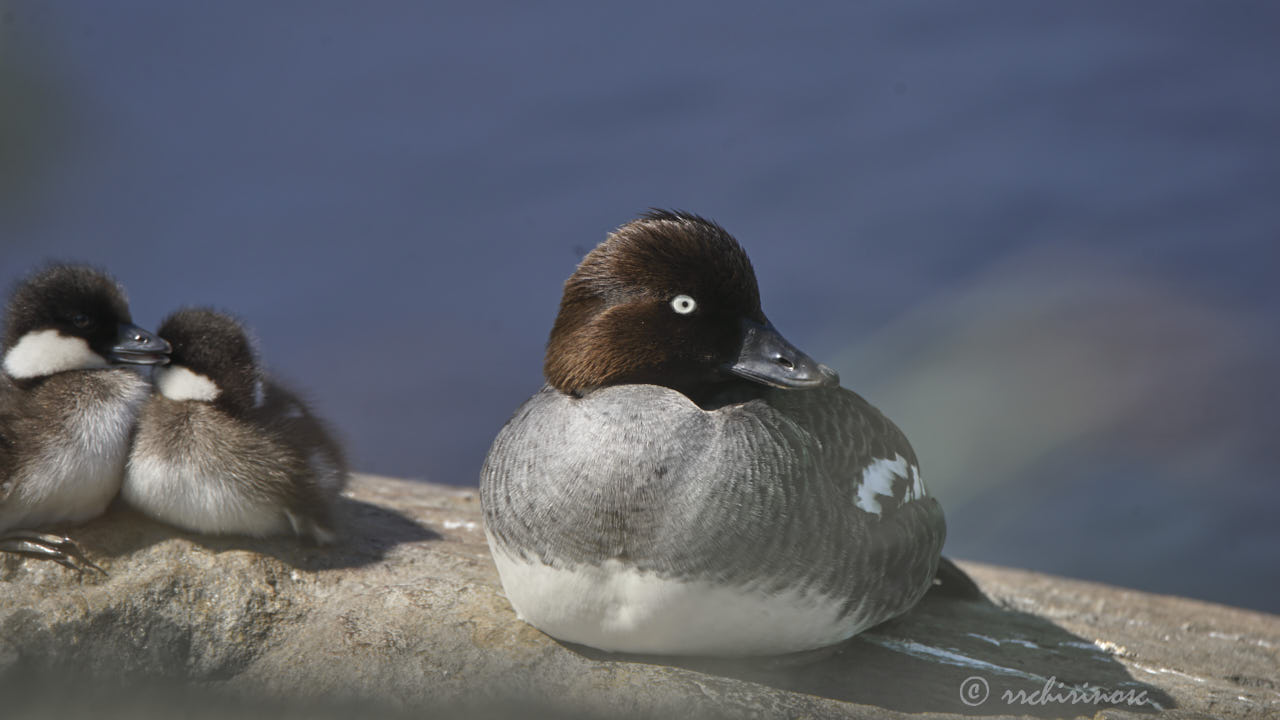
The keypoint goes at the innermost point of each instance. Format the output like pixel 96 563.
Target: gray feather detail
pixel 759 494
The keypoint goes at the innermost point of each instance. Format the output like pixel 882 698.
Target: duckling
pixel 221 449
pixel 688 482
pixel 67 405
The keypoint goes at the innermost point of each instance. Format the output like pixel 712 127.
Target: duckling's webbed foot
pixel 312 531
pixel 47 546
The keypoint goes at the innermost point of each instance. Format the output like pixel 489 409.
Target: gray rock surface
pixel 407 613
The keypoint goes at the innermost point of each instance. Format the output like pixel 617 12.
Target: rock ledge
pixel 407 613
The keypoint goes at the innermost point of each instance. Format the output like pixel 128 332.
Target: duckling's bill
pixel 136 346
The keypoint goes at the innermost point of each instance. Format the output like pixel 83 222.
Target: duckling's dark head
pixel 68 317
pixel 213 360
pixel 670 299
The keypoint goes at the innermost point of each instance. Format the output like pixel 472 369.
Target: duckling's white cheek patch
pixel 46 352
pixel 881 477
pixel 180 383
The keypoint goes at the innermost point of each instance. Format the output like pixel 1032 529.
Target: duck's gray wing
pixel 889 529
pixel 761 494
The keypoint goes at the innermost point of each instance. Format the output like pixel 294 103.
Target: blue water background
pixel 1042 237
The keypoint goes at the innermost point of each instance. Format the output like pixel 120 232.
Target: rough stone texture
pixel 407 613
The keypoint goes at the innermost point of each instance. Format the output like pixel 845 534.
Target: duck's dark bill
pixel 139 347
pixel 766 357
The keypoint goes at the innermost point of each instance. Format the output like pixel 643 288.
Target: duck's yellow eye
pixel 683 304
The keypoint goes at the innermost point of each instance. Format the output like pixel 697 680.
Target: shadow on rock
pixel 950 654
pixel 367 532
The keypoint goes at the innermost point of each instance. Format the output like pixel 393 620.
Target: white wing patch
pixel 180 383
pixel 45 352
pixel 878 479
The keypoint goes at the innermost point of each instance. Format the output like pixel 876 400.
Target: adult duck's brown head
pixel 670 299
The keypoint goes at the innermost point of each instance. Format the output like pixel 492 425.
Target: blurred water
pixel 1042 237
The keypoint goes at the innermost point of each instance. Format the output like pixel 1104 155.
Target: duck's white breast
pixel 616 608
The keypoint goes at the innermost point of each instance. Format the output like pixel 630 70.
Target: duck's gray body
pixel 63 443
pixel 272 472
pixel 631 519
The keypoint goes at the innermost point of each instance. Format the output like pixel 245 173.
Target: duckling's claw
pixel 46 546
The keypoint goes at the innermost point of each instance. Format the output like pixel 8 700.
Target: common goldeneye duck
pixel 221 449
pixel 67 405
pixel 688 482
